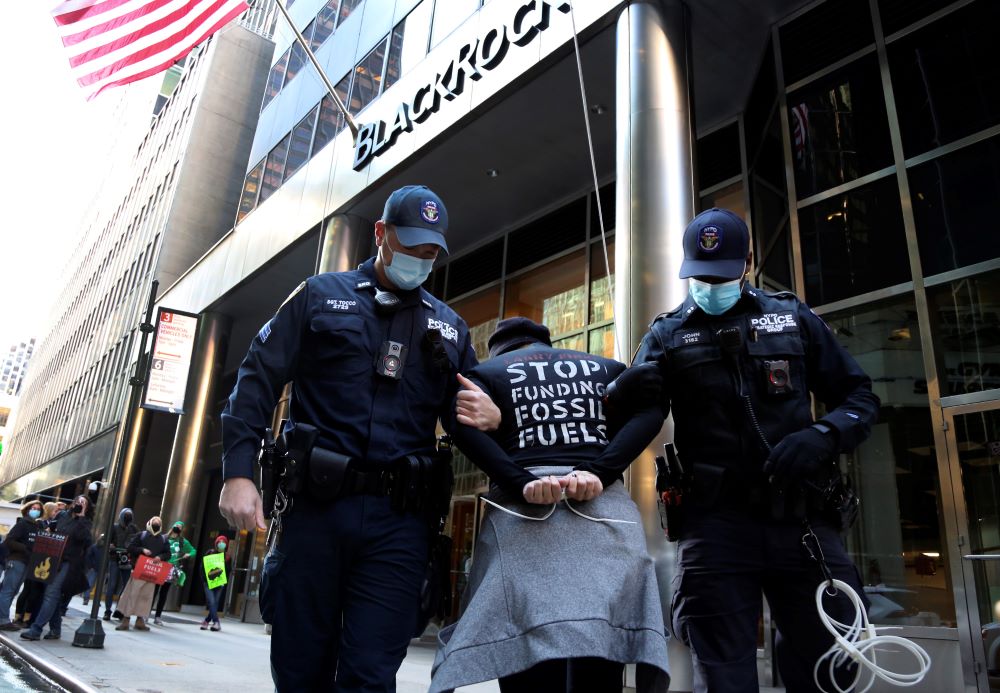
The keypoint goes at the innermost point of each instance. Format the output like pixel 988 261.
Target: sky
pixel 54 160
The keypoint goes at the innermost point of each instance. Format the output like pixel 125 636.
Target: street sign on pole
pixel 170 361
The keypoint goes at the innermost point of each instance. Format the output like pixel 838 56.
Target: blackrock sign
pixel 472 60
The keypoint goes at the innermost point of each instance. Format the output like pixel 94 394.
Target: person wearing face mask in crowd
pixel 75 525
pixel 373 361
pixel 119 561
pixel 18 542
pixel 30 599
pixel 180 550
pixel 214 574
pixel 738 365
pixel 137 598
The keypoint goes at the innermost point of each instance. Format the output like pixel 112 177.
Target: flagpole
pixel 322 74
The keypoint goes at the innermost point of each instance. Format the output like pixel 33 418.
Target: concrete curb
pixel 47 668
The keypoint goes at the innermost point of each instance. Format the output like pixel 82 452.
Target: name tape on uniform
pixel 340 305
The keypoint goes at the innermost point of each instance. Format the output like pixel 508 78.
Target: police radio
pixel 391 358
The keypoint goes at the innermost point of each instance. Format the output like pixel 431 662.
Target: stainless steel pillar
pixel 185 474
pixel 345 243
pixel 131 466
pixel 656 199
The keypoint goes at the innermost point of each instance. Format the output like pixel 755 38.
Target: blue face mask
pixel 34 514
pixel 407 272
pixel 715 299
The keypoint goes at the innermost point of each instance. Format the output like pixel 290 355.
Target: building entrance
pixel 973 446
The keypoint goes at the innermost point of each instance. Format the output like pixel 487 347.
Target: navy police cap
pixel 419 216
pixel 716 244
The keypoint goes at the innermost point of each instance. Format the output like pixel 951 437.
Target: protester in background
pixel 76 526
pixel 213 574
pixel 137 598
pixel 18 542
pixel 180 550
pixel 119 562
pixel 30 599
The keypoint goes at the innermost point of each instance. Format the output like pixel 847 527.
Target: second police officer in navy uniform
pixel 373 360
pixel 738 366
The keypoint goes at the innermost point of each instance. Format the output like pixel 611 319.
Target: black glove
pixel 638 386
pixel 801 455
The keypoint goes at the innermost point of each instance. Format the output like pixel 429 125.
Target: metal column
pixel 345 243
pixel 656 199
pixel 185 474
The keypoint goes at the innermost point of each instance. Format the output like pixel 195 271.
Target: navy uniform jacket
pixel 325 339
pixel 711 422
pixel 552 401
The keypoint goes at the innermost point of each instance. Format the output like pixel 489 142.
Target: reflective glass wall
pixel 891 139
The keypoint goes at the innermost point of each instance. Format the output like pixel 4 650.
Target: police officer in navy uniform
pixel 373 360
pixel 738 366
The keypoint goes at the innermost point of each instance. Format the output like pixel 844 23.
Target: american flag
pixel 800 132
pixel 114 42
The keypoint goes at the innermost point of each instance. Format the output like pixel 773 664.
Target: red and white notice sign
pixel 173 345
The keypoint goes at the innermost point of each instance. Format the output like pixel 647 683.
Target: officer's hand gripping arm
pixel 473 407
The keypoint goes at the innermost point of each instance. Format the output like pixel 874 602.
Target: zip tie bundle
pixel 553 509
pixel 859 642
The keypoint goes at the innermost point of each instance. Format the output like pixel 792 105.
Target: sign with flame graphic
pixel 46 555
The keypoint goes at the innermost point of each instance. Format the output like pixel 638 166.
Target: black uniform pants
pixel 578 675
pixel 726 559
pixel 341 593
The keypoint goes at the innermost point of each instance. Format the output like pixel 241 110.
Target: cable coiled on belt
pixel 859 642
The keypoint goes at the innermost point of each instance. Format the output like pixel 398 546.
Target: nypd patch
pixel 710 238
pixel 429 212
pixel 775 323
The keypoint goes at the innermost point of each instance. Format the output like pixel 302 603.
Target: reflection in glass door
pixel 974 443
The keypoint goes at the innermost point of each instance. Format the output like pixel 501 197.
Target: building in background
pixel 859 138
pixel 14 367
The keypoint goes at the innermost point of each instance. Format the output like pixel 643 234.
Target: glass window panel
pixel 839 128
pixel 275 79
pixel 248 200
pixel 776 268
pixel 481 313
pixel 326 21
pixel 898 542
pixel 274 169
pixel 449 15
pixel 729 197
pixel 770 210
pixel 307 33
pixel 954 206
pixel 854 243
pixel 945 76
pixel 295 62
pixel 346 8
pixel 602 341
pixel 718 156
pixel 574 342
pixel 601 308
pixel 367 79
pixel 410 38
pixel 823 35
pixel 298 149
pixel 553 294
pixel 331 120
pixel 965 326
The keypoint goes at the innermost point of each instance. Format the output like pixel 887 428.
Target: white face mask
pixel 406 272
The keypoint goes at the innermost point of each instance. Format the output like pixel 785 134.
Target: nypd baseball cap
pixel 419 216
pixel 716 244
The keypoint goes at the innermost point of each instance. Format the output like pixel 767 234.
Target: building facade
pixel 14 367
pixel 858 138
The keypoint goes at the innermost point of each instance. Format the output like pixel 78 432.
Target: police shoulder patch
pixel 775 323
pixel 265 332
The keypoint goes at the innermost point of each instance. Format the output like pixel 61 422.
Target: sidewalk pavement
pixel 178 657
